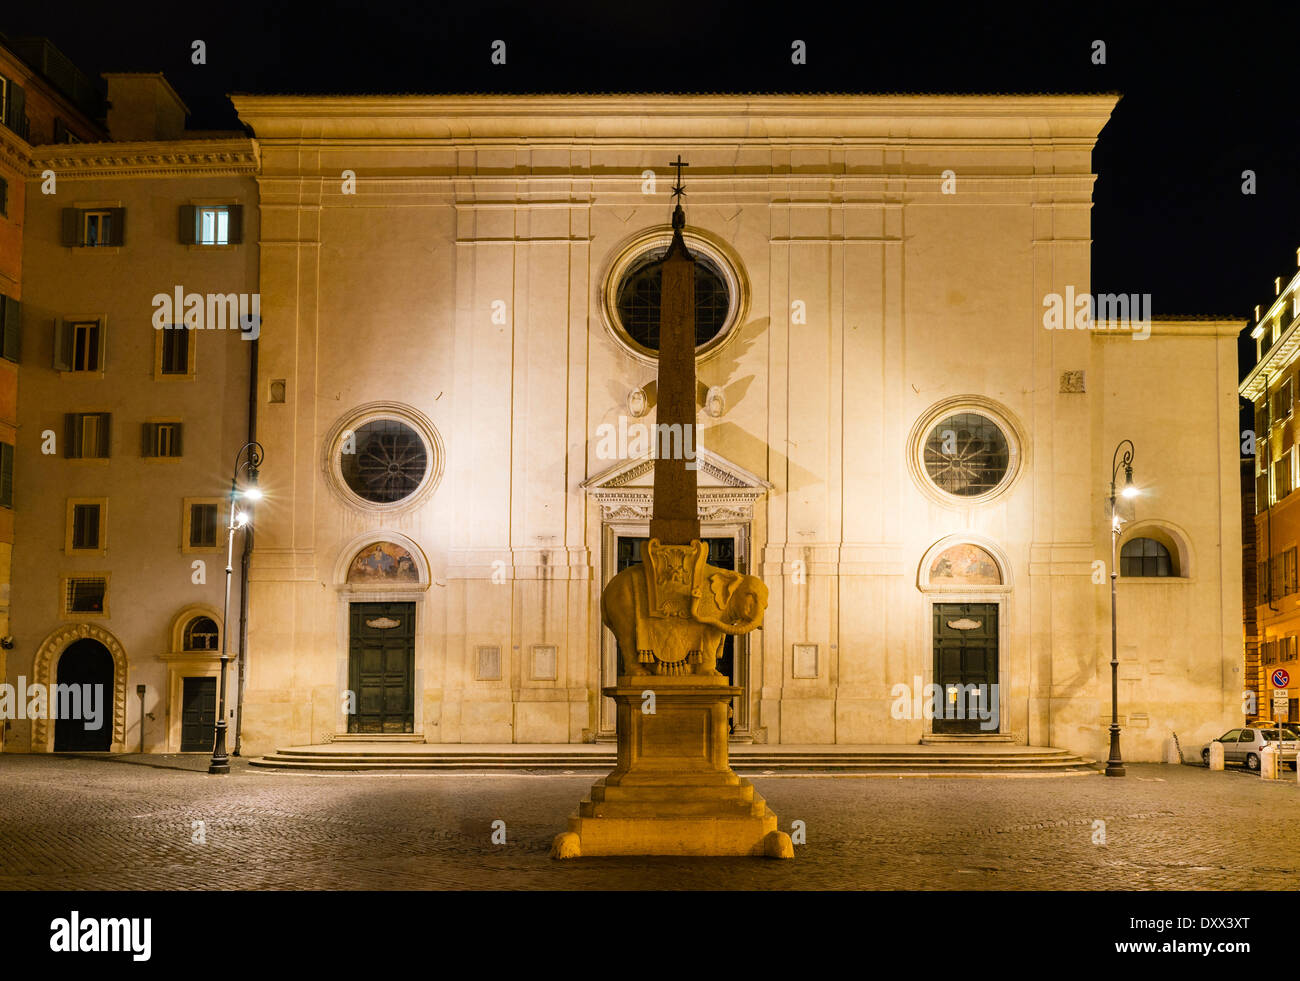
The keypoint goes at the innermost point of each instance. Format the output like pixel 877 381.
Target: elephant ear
pixel 722 587
pixel 711 602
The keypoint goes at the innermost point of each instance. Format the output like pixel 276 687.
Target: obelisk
pixel 675 519
pixel 672 791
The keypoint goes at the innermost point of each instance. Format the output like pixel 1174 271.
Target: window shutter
pixel 235 230
pixel 62 345
pixel 177 448
pixel 118 226
pixel 6 475
pixel 189 224
pixel 11 341
pixel 147 444
pixel 71 430
pixel 71 227
pixel 17 120
pixel 60 131
pixel 105 420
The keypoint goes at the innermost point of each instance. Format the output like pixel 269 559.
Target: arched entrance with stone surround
pixel 44 671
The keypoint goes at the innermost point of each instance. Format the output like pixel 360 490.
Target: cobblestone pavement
pixel 128 823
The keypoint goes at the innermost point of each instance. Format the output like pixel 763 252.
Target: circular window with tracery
pixel 634 285
pixel 387 462
pixel 385 457
pixel 965 453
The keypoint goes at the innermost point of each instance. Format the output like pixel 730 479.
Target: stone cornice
pixel 175 158
pixel 987 120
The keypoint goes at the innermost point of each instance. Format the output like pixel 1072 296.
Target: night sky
pixel 1206 95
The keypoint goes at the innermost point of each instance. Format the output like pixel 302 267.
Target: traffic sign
pixel 1280 678
pixel 1280 705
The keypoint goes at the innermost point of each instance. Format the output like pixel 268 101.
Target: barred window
pixel 1145 557
pixel 201 634
pixel 639 294
pixel 966 454
pixel 85 595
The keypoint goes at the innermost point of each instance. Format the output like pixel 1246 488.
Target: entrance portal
pixel 84 662
pixel 966 667
pixel 381 667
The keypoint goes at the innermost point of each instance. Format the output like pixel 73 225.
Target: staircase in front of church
pixel 945 759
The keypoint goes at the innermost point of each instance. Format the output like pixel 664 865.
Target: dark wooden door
pixel 381 667
pixel 966 667
pixel 198 714
pixel 88 665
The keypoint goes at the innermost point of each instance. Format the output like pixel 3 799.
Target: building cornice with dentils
pixel 162 158
pixel 1278 358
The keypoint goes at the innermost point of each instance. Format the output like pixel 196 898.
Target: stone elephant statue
pixel 671 613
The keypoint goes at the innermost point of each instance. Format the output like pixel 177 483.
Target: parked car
pixel 1244 745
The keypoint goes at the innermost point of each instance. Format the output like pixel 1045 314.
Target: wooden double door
pixel 966 667
pixel 381 667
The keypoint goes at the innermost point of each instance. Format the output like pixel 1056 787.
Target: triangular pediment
pixel 726 492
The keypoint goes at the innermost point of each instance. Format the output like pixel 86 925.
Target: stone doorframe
pixel 625 496
pixel 998 595
pixel 349 593
pixel 44 671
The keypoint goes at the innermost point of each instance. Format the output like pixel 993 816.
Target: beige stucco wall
pixel 913 297
pixel 150 575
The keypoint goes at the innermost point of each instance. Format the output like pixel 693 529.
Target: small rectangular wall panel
pixel 805 660
pixel 544 661
pixel 489 664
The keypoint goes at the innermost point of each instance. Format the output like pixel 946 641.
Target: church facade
pixel 909 406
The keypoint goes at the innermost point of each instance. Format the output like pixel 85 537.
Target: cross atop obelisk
pixel 675 519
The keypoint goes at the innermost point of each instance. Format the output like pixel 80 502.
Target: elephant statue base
pixel 673 791
pixel 671 613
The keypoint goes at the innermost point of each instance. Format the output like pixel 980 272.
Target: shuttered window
pixel 10 329
pixel 161 439
pixel 6 475
pixel 86 435
pixel 211 224
pixel 94 227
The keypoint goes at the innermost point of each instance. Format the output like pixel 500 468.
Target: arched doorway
pixel 82 700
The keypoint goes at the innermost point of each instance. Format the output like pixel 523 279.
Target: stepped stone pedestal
pixel 673 791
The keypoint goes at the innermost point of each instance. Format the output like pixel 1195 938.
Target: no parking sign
pixel 1280 678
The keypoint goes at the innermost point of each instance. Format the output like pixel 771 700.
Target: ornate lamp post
pixel 1115 765
pixel 248 458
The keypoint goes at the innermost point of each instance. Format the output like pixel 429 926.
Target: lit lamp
pixel 248 458
pixel 1115 765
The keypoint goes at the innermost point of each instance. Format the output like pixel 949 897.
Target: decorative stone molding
pixel 626 491
pixel 43 672
pixel 187 158
pixel 1012 431
pixel 942 545
pixel 349 551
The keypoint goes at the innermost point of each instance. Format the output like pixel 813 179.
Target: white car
pixel 1244 745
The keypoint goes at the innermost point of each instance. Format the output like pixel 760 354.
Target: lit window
pixel 213 226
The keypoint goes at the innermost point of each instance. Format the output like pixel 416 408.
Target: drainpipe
pixel 246 557
pixel 1268 516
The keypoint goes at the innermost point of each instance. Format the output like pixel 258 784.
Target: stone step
pixel 946 738
pixel 903 764
pixel 378 737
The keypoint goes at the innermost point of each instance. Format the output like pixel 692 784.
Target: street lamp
pixel 1115 765
pixel 248 458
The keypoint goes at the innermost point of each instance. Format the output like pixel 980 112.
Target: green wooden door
pixel 198 714
pixel 381 667
pixel 966 667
